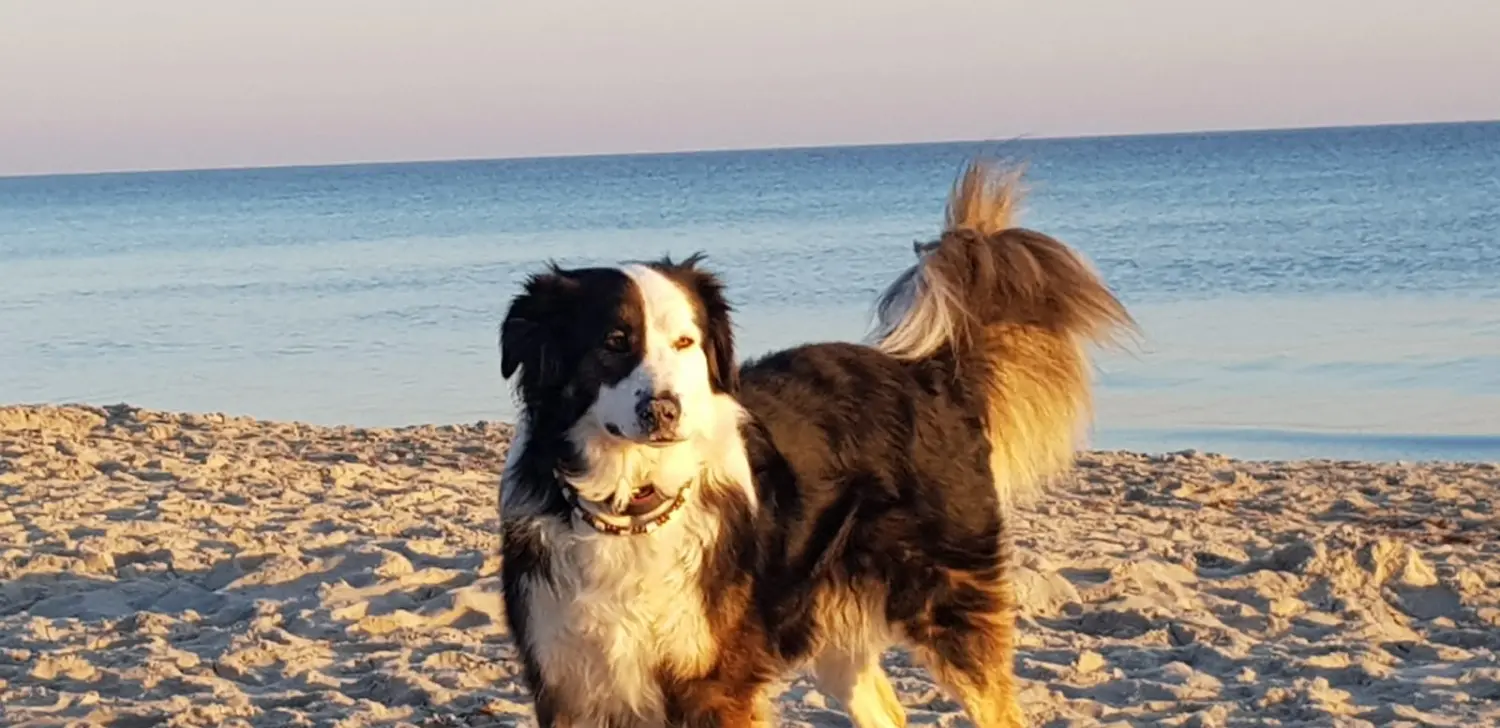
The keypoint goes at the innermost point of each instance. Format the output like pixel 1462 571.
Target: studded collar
pixel 635 525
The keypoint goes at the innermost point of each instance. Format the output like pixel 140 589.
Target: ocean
pixel 1311 293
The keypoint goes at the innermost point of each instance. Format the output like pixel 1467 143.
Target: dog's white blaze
pixel 707 421
pixel 669 316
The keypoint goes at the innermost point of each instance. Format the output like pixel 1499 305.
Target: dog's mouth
pixel 644 500
pixel 651 441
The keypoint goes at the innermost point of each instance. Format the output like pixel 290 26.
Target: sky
pixel 106 85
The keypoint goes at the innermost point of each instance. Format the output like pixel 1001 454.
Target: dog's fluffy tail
pixel 1015 308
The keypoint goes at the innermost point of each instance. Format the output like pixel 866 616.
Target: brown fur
pixel 729 691
pixel 1025 306
pixel 987 687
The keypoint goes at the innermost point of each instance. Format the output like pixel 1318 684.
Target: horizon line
pixel 733 150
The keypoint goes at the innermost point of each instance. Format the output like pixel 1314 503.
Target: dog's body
pixel 679 531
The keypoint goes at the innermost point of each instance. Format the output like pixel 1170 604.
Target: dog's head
pixel 621 357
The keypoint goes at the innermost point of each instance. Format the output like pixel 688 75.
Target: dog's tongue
pixel 644 501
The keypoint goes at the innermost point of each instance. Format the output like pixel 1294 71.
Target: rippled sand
pixel 203 570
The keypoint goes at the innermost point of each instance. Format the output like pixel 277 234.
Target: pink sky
pixel 161 84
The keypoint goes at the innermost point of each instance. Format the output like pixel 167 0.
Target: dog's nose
pixel 660 412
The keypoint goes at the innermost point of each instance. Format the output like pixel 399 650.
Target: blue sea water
pixel 1311 293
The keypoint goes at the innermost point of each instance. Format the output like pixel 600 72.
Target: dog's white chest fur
pixel 623 609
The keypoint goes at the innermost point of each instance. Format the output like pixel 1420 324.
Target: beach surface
pixel 208 570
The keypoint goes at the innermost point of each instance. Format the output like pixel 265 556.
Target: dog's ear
pixel 526 336
pixel 718 325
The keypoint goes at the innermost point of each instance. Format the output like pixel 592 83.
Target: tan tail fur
pixel 1021 305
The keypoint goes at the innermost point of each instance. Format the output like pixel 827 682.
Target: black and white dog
pixel 679 530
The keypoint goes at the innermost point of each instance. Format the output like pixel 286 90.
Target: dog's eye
pixel 617 341
pixel 682 342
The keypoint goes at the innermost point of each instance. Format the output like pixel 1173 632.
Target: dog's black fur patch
pixel 869 471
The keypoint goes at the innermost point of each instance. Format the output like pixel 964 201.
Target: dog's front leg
pixel 723 706
pixel 738 715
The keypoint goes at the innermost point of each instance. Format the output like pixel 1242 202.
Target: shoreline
pixel 1194 441
pixel 237 571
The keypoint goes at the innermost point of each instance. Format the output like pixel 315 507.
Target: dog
pixel 680 529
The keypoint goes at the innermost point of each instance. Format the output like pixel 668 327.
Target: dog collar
pixel 638 525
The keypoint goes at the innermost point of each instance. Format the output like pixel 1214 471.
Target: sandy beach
pixel 208 570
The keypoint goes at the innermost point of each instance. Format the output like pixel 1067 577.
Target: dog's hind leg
pixel 857 681
pixel 968 642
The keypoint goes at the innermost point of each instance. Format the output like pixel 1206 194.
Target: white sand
pixel 198 570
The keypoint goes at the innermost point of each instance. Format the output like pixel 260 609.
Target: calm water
pixel 1309 293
